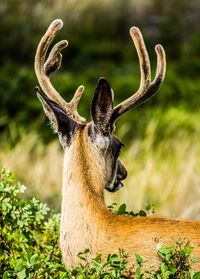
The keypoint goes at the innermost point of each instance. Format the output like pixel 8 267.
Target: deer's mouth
pixel 117 184
pixel 114 187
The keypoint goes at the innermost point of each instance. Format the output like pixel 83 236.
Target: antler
pixel 53 62
pixel 147 88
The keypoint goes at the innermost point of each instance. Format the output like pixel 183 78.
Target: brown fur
pixel 87 223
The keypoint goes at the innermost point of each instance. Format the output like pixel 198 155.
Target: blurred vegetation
pixel 100 45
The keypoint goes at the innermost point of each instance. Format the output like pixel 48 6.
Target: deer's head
pixel 98 134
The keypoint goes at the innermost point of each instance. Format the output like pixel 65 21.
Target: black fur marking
pixel 116 146
pixel 121 175
pixel 121 171
pixel 91 134
pixel 118 170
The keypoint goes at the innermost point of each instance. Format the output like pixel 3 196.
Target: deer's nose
pixel 121 171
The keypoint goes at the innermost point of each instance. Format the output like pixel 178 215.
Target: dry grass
pixel 166 174
pixel 38 167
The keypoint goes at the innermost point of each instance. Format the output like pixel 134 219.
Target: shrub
pixel 29 244
pixel 28 237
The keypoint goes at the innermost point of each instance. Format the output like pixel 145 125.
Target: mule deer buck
pixel 91 162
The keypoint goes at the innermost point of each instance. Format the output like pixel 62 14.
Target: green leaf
pixel 122 209
pixel 19 265
pixel 5 275
pixel 61 268
pixel 139 259
pixel 34 259
pixel 142 213
pixel 196 275
pixel 138 273
pixel 21 274
pixel 165 250
pixel 173 270
pixel 97 265
pixel 194 260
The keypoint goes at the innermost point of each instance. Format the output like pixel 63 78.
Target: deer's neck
pixel 83 175
pixel 83 206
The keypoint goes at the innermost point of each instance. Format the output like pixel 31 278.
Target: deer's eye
pixel 116 146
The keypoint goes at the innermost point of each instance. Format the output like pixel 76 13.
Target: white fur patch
pixel 102 142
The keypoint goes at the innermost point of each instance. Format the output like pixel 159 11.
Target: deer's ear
pixel 62 123
pixel 102 107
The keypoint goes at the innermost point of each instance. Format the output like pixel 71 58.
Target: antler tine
pixel 161 68
pixel 75 101
pixel 43 46
pixel 45 69
pixel 147 88
pixel 54 60
pixel 77 96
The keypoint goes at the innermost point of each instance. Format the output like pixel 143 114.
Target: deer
pixel 92 164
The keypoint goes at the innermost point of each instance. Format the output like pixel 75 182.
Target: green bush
pixel 29 244
pixel 28 237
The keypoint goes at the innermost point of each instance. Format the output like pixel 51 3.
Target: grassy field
pixel 165 174
pixel 163 166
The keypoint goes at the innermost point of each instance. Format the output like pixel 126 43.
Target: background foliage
pixel 162 136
